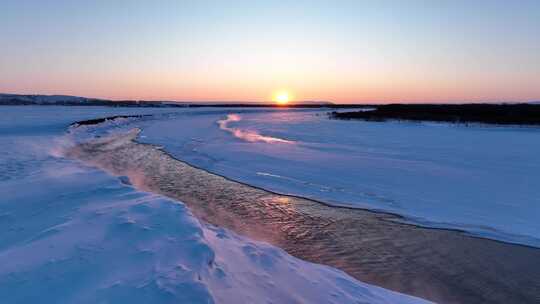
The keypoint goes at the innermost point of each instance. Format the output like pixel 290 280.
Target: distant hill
pixel 66 100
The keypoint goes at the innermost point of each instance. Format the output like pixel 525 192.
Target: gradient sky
pixel 341 51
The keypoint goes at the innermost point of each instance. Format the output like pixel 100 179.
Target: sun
pixel 282 98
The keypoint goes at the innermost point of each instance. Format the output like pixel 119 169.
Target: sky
pixel 340 51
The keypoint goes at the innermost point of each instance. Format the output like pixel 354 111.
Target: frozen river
pixel 481 179
pixel 72 233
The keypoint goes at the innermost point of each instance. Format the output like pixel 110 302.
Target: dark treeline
pixel 96 121
pixel 515 114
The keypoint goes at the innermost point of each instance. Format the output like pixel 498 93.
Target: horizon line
pixel 296 102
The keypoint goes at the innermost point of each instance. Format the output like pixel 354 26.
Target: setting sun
pixel 282 98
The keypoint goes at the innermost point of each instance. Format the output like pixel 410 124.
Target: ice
pixel 74 234
pixel 480 179
pixel 247 135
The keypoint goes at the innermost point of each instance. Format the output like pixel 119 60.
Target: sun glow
pixel 282 98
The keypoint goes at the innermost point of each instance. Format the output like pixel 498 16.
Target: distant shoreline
pixel 500 114
pixel 66 100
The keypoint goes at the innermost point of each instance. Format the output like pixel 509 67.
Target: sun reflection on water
pixel 282 200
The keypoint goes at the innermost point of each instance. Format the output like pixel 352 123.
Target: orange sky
pixel 344 52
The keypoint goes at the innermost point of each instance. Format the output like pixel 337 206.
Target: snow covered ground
pixel 481 179
pixel 74 234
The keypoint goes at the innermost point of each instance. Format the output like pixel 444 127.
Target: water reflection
pixel 282 200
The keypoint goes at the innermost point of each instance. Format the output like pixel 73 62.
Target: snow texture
pixel 74 234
